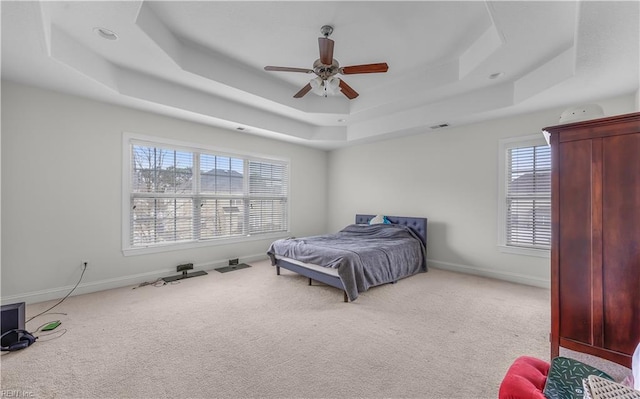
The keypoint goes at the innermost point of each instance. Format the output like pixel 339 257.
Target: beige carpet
pixel 250 333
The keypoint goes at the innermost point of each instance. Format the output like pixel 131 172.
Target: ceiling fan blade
pixel 347 90
pixel 326 50
pixel 303 91
pixel 365 68
pixel 287 69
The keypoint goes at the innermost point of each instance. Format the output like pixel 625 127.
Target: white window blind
pixel 528 197
pixel 182 195
pixel 268 185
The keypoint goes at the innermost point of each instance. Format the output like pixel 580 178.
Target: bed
pixel 358 257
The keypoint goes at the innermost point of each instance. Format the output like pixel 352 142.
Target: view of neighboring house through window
pixel 526 195
pixel 186 195
pixel 529 197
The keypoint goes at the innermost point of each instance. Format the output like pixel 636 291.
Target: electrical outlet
pixel 84 263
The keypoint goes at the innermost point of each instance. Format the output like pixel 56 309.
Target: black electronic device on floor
pixel 14 336
pixel 183 268
pixel 231 268
pixel 12 319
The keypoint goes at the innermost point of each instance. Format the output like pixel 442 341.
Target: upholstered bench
pixel 531 378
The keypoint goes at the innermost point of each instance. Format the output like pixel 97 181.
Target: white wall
pixel 61 193
pixel 449 176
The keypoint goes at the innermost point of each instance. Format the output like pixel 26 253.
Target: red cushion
pixel 525 379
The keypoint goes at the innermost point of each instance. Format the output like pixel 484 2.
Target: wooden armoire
pixel 595 240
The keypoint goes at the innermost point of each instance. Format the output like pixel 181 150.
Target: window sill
pixel 190 245
pixel 540 253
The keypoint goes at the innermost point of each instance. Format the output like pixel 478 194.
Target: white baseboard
pixel 117 282
pixel 491 273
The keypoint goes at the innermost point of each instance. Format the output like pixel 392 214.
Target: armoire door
pixel 621 242
pixel 575 294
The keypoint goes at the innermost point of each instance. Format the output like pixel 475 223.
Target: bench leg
pixel 277 270
pixel 346 298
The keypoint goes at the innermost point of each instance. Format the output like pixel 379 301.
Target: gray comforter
pixel 364 255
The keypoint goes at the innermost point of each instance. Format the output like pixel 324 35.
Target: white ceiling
pixel 203 60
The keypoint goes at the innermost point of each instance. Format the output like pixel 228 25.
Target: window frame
pixel 131 138
pixel 504 145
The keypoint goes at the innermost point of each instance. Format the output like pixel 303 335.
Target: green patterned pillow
pixel 565 378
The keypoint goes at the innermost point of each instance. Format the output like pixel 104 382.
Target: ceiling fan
pixel 326 67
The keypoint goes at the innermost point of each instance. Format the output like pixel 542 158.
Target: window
pixel 182 195
pixel 525 195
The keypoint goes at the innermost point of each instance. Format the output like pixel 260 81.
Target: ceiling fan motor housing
pixel 326 71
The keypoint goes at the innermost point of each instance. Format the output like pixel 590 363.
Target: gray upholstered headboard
pixel 419 225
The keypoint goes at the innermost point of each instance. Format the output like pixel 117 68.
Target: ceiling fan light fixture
pixel 325 88
pixel 333 84
pixel 316 84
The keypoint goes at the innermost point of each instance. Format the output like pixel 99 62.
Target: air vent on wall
pixel 440 126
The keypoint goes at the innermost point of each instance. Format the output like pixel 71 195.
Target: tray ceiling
pixel 203 60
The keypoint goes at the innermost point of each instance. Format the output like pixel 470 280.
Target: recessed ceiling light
pixel 342 120
pixel 240 128
pixel 496 75
pixel 106 33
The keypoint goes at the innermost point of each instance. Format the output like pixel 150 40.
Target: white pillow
pixel 379 219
